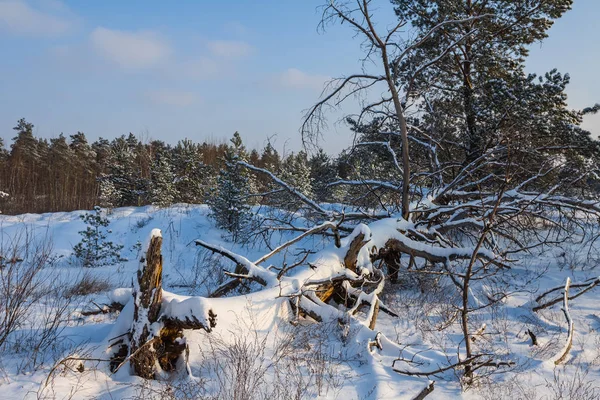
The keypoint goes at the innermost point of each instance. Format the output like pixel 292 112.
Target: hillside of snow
pixel 254 352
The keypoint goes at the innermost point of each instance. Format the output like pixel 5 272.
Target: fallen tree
pixel 463 220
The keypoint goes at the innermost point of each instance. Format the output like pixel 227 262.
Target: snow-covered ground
pixel 254 350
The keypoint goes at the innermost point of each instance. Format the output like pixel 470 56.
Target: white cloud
pixel 235 27
pixel 202 68
pixel 19 18
pixel 130 50
pixel 295 79
pixel 172 98
pixel 229 48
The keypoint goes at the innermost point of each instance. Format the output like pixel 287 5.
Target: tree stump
pixel 147 301
pixel 156 341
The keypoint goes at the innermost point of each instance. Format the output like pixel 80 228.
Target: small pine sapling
pixel 95 249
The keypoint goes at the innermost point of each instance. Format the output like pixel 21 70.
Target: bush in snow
pixel 95 249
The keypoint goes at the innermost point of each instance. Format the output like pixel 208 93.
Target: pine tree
pixel 121 181
pixel 108 193
pixel 489 50
pixel 323 171
pixel 190 173
pixel 61 173
pixel 269 160
pixel 85 192
pixel 229 202
pixel 3 172
pixel 25 158
pixel 295 171
pixel 95 249
pixel 163 190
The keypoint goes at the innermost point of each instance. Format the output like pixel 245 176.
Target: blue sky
pixel 204 69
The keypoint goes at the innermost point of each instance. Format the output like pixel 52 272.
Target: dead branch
pixel 592 281
pixel 467 361
pixel 320 210
pixel 588 286
pixel 430 253
pixel 243 267
pixel 316 229
pixel 533 337
pixel 425 392
pixel 354 248
pixel 104 309
pixel 570 326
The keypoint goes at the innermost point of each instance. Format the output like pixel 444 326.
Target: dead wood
pixel 589 285
pixel 425 392
pixel 351 257
pixel 533 337
pixel 570 326
pixel 104 309
pixel 149 352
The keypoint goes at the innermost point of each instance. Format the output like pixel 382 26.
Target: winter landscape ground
pixel 255 352
pixel 446 246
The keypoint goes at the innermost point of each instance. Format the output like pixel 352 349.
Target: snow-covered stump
pixel 155 342
pixel 143 348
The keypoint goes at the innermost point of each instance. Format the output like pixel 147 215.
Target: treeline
pixel 70 173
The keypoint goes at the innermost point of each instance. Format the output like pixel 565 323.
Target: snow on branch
pixel 589 285
pixel 426 391
pixel 245 266
pixel 403 244
pixel 370 182
pixel 316 229
pixel 570 326
pixel 289 188
pixel 388 146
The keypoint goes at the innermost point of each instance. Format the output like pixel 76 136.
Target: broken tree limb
pixel 351 257
pixel 438 254
pixel 464 362
pixel 426 391
pixel 293 191
pixel 104 309
pixel 589 285
pixel 244 266
pixel 225 288
pixel 570 326
pixel 533 337
pixel 316 229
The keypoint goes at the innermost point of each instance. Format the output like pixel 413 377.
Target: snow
pixel 155 233
pixel 365 372
pixel 120 295
pixel 182 307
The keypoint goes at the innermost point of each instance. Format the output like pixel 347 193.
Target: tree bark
pixel 143 350
pixel 152 352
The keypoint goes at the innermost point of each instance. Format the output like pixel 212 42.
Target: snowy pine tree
pixel 109 196
pixel 323 171
pixel 95 249
pixel 163 191
pixel 190 172
pixel 228 203
pixel 295 171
